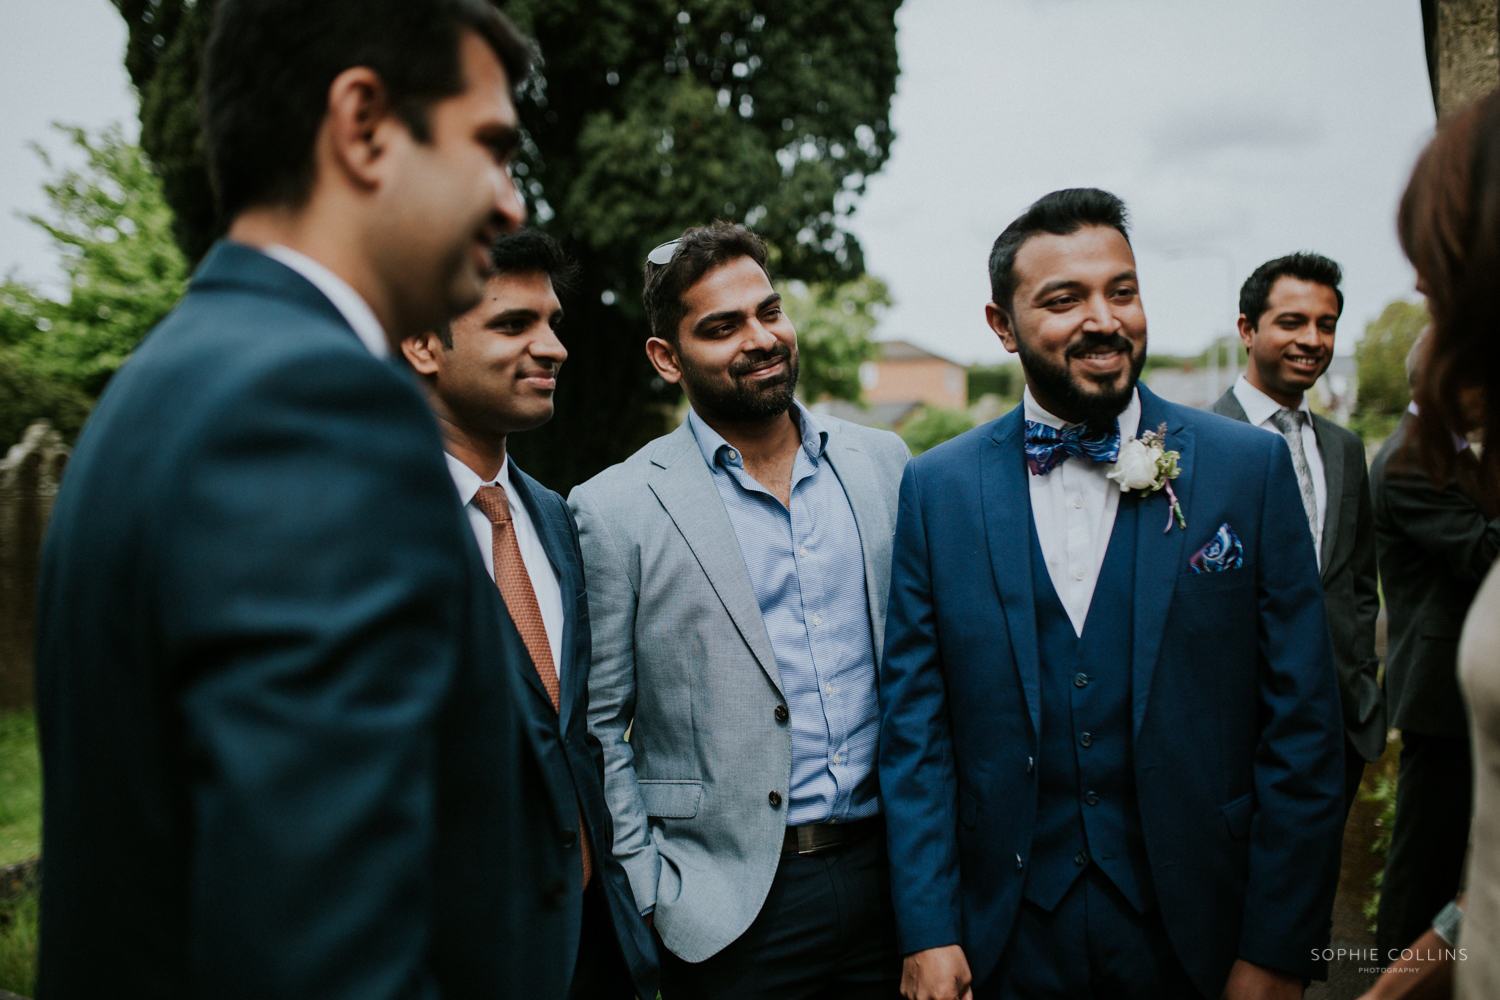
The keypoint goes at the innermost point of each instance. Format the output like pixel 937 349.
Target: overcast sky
pixel 1235 132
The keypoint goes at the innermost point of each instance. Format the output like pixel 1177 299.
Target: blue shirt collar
pixel 714 448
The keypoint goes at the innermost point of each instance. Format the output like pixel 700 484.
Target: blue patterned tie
pixel 1048 447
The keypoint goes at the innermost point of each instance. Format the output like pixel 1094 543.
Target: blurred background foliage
pixel 834 324
pixel 1380 356
pixel 644 117
pixel 124 271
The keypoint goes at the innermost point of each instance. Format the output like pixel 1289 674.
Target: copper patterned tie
pixel 520 600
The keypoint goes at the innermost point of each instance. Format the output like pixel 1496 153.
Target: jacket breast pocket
pixel 1202 583
pixel 671 799
pixel 1238 814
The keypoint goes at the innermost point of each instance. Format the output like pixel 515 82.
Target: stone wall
pixel 1463 51
pixel 28 483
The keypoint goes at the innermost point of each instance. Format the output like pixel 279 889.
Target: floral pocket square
pixel 1222 552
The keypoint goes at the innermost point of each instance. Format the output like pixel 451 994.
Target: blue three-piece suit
pixel 1144 802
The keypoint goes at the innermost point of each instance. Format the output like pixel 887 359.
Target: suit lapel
pixel 1005 504
pixel 1158 553
pixel 1332 448
pixel 852 467
pixel 685 487
pixel 557 540
pixel 1228 405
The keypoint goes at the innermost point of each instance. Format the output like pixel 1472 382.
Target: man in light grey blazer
pixel 737 572
pixel 1289 312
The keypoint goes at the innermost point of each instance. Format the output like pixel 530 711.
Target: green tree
pixel 932 426
pixel 645 117
pixel 124 272
pixel 1380 357
pixel 834 323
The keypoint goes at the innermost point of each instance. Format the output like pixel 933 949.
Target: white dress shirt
pixel 1074 508
pixel 350 304
pixel 1259 408
pixel 544 581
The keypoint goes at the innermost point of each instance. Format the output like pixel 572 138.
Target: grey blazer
pixel 681 653
pixel 1348 569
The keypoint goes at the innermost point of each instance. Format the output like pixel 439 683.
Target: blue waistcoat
pixel 1086 798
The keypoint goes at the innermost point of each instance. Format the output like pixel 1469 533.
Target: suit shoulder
pixel 623 476
pixel 878 441
pixel 1219 430
pixel 961 451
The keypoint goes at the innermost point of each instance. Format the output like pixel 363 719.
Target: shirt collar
pixel 467 481
pixel 1129 420
pixel 1258 406
pixel 712 444
pixel 350 304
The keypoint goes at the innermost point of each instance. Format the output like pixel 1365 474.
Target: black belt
pixel 815 837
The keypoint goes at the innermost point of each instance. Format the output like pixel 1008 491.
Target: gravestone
pixel 29 476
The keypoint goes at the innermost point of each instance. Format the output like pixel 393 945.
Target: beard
pixel 1084 398
pixel 744 400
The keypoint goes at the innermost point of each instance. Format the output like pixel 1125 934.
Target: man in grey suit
pixel 737 575
pixel 1436 543
pixel 1289 313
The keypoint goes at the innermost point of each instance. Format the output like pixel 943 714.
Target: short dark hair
pixel 1255 293
pixel 269 63
pixel 700 250
pixel 1060 213
pixel 526 251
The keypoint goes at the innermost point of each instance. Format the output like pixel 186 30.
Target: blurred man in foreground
pixel 490 373
pixel 1289 313
pixel 282 751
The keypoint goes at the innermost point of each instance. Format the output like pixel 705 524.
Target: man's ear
pixel 422 352
pixel 1247 330
pixel 1000 321
pixel 359 125
pixel 664 359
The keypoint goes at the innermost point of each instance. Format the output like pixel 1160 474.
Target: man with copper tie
pixel 489 373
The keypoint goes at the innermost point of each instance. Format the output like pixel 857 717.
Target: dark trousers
pixel 827 931
pixel 599 972
pixel 1434 791
pixel 1093 945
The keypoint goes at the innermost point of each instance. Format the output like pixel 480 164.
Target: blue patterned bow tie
pixel 1048 447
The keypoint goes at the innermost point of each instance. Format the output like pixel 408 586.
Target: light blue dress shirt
pixel 807 568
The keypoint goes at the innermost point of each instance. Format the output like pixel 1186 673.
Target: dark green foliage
pixel 18 940
pixel 1381 359
pixel 933 425
pixel 1003 380
pixel 646 117
pixel 124 273
pixel 834 323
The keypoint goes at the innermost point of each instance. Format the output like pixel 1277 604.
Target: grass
pixel 1384 793
pixel 20 789
pixel 18 944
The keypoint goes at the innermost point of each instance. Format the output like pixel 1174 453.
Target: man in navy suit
pixel 1111 746
pixel 490 373
pixel 281 736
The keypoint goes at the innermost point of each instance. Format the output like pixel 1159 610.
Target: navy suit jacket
pixel 282 742
pixel 572 757
pixel 1238 738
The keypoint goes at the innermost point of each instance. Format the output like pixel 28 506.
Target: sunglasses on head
pixel 662 255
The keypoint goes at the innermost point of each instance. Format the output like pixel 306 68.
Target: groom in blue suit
pixel 1111 745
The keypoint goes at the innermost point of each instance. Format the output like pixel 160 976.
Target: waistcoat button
pixel 1092 798
pixel 1087 739
pixel 1080 680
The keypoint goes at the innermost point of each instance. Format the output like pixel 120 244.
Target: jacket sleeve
pixel 312 582
pixel 1296 835
pixel 1366 587
pixel 918 782
pixel 612 609
pixel 1446 522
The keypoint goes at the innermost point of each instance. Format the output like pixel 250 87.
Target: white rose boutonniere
pixel 1146 465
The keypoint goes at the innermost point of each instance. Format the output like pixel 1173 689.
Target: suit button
pixel 1092 798
pixel 569 838
pixel 1080 680
pixel 782 714
pixel 1080 859
pixel 1087 739
pixel 775 800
